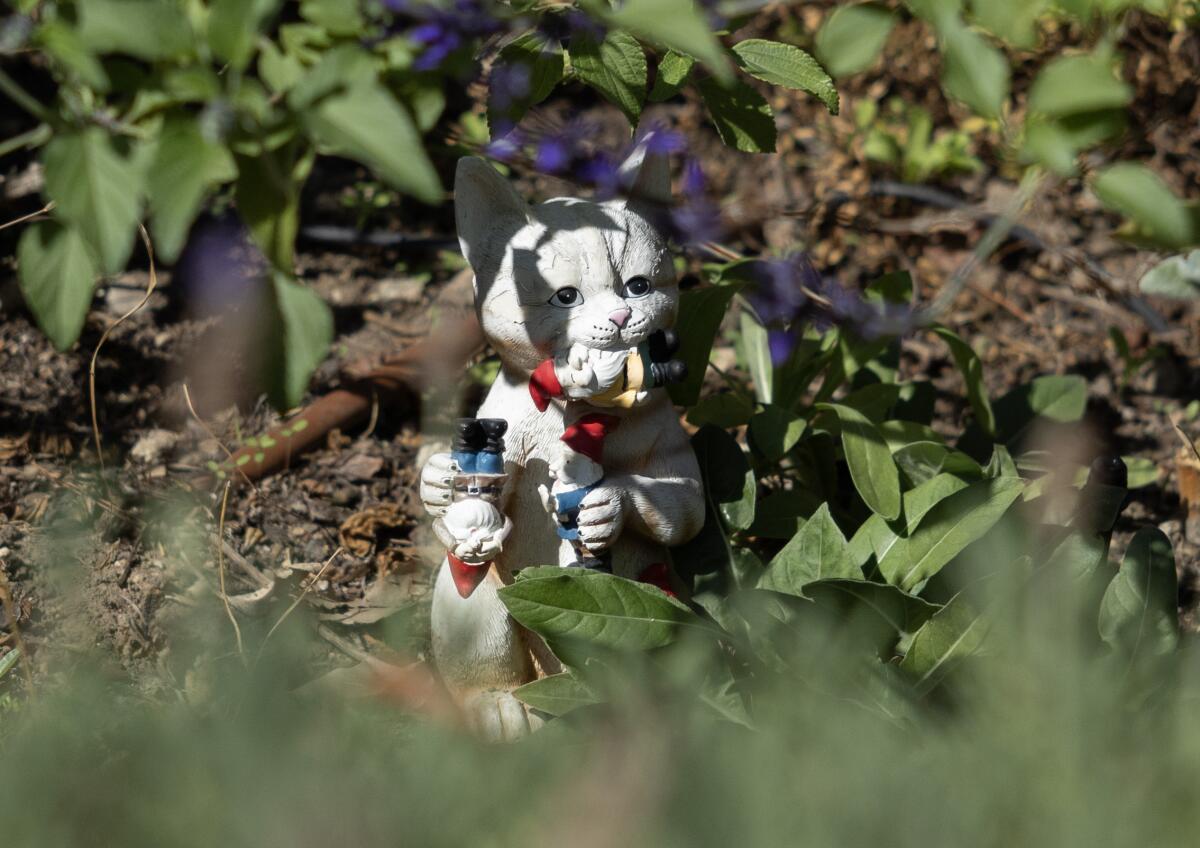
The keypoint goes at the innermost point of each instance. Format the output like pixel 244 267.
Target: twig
pixel 187 398
pixel 237 631
pixel 303 592
pixel 1187 440
pixel 29 138
pixel 28 217
pixel 104 337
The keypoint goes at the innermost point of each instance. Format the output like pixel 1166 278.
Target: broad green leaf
pixel 1075 84
pixel 947 528
pixel 1139 613
pixel 780 515
pixel 1001 464
pixel 724 409
pixel 1142 472
pixel 971 366
pixel 858 598
pixel 1013 21
pixel 9 661
pixel 755 352
pixel 598 608
pixel 339 17
pixel 919 501
pixel 673 71
pixel 775 431
pixel 63 43
pixel 555 695
pixel 279 71
pixel 852 38
pixel 677 24
pixel 1177 278
pixel 541 59
pixel 145 29
pixel 1079 556
pixel 615 67
pixel 184 166
pixel 1061 398
pixel 818 551
pixel 974 71
pixel 267 194
pixel 742 117
pixel 297 342
pixel 953 632
pixel 728 479
pixel 872 539
pixel 368 124
pixel 922 461
pixel 788 66
pixel 873 400
pixel 872 469
pixel 57 279
pixel 1138 193
pixel 700 313
pixel 898 434
pixel 233 26
pixel 96 190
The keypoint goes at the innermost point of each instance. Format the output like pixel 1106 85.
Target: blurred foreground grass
pixel 1038 739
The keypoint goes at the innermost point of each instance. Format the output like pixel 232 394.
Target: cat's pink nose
pixel 620 316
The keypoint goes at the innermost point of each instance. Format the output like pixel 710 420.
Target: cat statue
pixel 569 287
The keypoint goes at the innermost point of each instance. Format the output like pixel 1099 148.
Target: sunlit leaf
pixel 788 66
pixel 298 341
pixel 1177 278
pixel 872 469
pixel 673 71
pixel 1138 615
pixel 1138 193
pixel 742 117
pixel 816 552
pixel 852 38
pixel 615 67
pixel 57 279
pixel 556 694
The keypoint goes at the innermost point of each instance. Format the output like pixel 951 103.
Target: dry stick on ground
pixel 307 588
pixel 104 337
pixel 237 631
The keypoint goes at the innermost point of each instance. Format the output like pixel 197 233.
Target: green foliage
pixel 1177 277
pixel 1139 193
pixel 616 67
pixel 905 140
pixel 787 66
pixel 852 37
pixel 57 277
pixel 1138 615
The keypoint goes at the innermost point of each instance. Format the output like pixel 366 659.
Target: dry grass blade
pixel 303 593
pixel 30 217
pixel 108 331
pixel 237 631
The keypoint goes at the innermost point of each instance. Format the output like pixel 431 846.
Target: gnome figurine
pixel 577 470
pixel 604 378
pixel 471 527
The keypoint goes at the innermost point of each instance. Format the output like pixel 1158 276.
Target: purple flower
pixel 508 85
pixel 778 294
pixel 782 343
pixel 444 30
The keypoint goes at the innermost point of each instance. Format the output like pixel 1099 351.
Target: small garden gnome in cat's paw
pixel 577 473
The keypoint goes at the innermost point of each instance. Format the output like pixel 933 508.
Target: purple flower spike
pixel 781 344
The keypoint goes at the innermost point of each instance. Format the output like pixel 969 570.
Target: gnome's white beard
pixel 601 370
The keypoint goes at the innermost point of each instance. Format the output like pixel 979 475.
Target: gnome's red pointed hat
pixel 586 436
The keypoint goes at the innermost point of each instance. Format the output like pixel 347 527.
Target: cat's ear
pixel 487 209
pixel 646 175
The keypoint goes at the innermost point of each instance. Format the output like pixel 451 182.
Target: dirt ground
pixel 93 557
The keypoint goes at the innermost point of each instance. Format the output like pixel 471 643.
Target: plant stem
pixel 22 97
pixel 35 137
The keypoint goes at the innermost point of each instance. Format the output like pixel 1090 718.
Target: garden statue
pixel 577 298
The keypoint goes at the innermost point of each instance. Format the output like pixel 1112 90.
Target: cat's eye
pixel 567 296
pixel 636 287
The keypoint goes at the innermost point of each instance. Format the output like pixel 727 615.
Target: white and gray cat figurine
pixel 555 281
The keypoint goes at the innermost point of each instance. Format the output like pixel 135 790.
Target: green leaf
pixel 298 342
pixel 57 279
pixel 974 71
pixel 1013 21
pixel 145 29
pixel 788 66
pixel 742 117
pixel 922 461
pixel 754 350
pixel 368 124
pixel 1061 398
pixel 971 366
pixel 953 632
pixel 615 67
pixel 1138 193
pixel 673 71
pixel 872 469
pixel 63 43
pixel 96 190
pixel 598 608
pixel 542 59
pixel 923 498
pixel 947 528
pixel 898 611
pixel 184 166
pixel 267 194
pixel 1139 613
pixel 1142 472
pixel 9 661
pixel 780 515
pixel 817 552
pixel 852 38
pixel 233 26
pixel 340 17
pixel 677 24
pixel 1177 278
pixel 775 431
pixel 724 410
pixel 556 695
pixel 700 313
pixel 1075 84
pixel 728 478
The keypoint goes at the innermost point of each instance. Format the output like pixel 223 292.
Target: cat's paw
pixel 437 483
pixel 499 717
pixel 602 517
